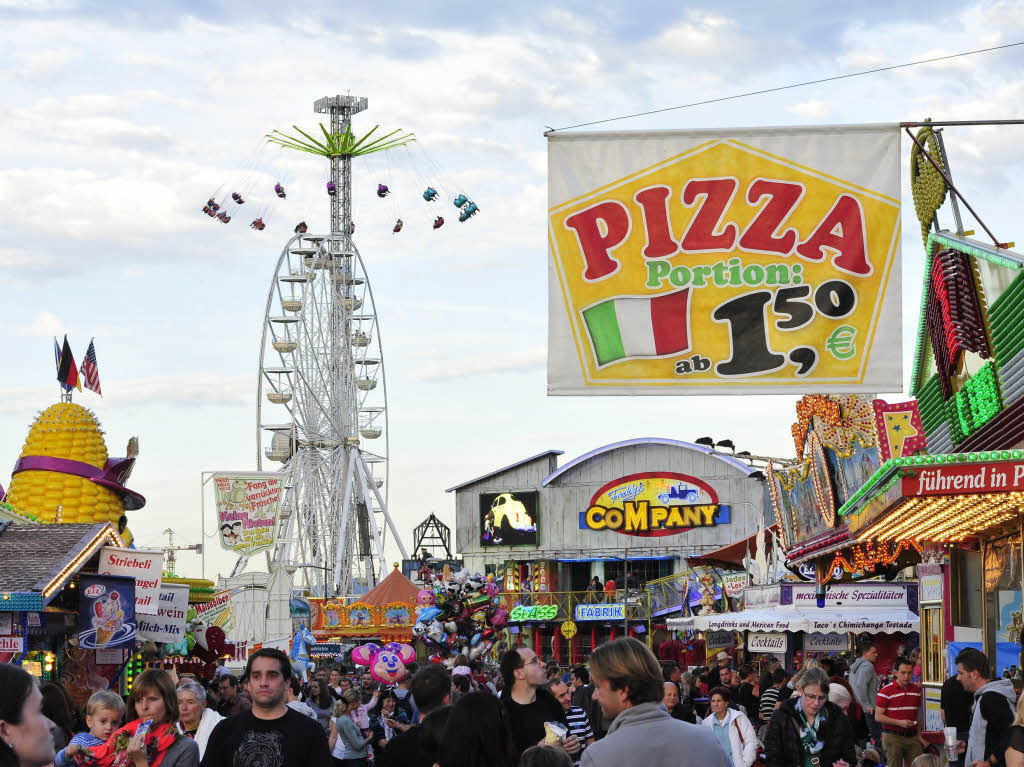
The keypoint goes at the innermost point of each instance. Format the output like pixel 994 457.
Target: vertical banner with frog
pixel 247 511
pixel 751 261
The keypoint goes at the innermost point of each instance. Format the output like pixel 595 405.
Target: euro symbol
pixel 841 344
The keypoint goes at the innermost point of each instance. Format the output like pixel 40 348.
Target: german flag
pixel 67 373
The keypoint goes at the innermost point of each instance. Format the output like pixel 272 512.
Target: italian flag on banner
pixel 639 326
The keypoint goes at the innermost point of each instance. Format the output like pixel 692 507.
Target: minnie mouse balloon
pixel 387 663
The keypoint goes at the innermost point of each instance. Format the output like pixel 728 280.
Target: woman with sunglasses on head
pixel 809 730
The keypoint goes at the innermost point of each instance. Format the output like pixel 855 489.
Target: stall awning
pixel 824 620
pixel 733 554
pixel 873 621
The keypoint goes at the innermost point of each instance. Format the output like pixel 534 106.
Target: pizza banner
pixel 725 262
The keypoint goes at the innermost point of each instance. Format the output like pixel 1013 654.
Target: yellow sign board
pixel 725 268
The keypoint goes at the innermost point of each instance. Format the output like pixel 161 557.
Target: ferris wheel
pixel 322 407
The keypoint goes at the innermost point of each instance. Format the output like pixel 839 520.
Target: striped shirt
pixel 768 699
pixel 579 726
pixel 900 703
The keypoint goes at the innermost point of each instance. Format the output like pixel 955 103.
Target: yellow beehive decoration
pixel 68 431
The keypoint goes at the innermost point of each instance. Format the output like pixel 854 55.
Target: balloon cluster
pixel 458 612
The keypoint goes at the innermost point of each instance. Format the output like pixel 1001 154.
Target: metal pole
pixel 364 482
pixel 952 199
pixel 954 189
pixel 202 524
pixel 343 530
pixel 384 508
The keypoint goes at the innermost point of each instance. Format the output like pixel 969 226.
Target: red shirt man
pixel 609 586
pixel 898 710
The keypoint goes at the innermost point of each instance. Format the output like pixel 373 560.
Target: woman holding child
pixel 153 700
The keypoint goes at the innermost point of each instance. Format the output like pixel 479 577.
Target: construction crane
pixel 170 552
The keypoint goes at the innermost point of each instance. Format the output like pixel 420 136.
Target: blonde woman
pixel 348 744
pixel 799 675
pixel 1015 740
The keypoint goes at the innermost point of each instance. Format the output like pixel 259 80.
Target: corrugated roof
pixel 505 468
pixel 734 462
pixel 395 588
pixel 32 556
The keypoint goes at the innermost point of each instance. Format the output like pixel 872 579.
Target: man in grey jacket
pixel 864 681
pixel 628 686
pixel 994 708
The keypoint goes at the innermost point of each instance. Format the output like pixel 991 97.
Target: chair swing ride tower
pixel 321 360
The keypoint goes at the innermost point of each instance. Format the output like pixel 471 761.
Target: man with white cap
pixel 714 676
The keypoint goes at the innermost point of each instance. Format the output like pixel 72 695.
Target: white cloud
pixel 484 364
pixel 105 169
pixel 813 109
pixel 174 391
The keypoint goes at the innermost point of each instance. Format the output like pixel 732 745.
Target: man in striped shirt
pixel 769 700
pixel 898 710
pixel 579 725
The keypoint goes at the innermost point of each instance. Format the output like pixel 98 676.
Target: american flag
pixel 90 370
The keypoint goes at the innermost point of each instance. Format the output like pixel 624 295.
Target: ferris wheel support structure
pixel 325 379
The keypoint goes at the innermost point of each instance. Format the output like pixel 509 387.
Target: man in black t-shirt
pixel 747 692
pixel 271 735
pixel 956 705
pixel 528 703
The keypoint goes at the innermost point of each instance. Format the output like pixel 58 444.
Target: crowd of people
pixel 623 707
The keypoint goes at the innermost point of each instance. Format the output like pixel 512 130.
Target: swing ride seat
pixel 460 200
pixel 438 222
pixel 430 194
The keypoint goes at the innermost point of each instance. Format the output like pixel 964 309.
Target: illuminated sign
pixel 600 612
pixel 653 504
pixel 509 519
pixel 535 613
pixel 1004 476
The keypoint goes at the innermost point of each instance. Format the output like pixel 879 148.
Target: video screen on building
pixel 509 519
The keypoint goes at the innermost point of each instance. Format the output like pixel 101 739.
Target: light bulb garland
pixel 868 557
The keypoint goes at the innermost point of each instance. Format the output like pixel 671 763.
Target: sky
pixel 123 118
